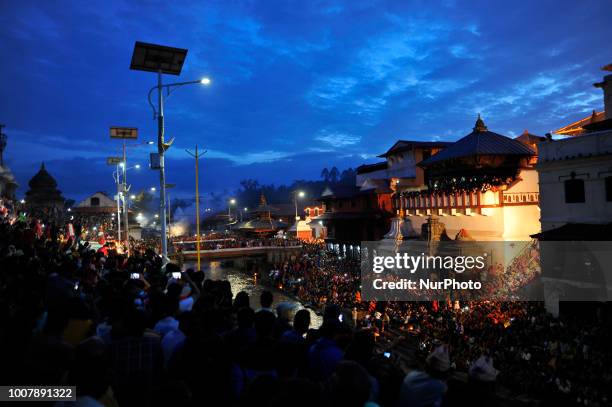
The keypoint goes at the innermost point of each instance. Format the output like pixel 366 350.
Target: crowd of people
pixel 523 346
pixel 319 277
pixel 130 331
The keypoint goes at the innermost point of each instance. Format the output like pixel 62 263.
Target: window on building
pixel 574 190
pixel 95 201
pixel 608 182
pixel 316 211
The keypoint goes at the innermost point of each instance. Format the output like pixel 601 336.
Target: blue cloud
pixel 295 84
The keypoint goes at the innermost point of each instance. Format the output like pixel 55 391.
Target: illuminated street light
pixel 296 195
pixel 132 196
pixel 229 208
pixel 153 189
pixel 161 60
pixel 123 134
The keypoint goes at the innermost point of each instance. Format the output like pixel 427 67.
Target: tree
pixel 333 175
pixel 325 174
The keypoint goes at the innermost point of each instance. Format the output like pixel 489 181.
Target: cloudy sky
pixel 297 85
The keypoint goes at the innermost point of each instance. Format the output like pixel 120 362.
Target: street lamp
pixel 229 212
pixel 123 133
pixel 153 189
pixel 296 195
pixel 162 60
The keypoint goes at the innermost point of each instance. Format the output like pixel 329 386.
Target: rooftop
pixel 404 145
pixel 480 142
pixel 577 127
pixel 367 168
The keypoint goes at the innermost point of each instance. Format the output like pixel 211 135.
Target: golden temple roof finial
pixel 480 126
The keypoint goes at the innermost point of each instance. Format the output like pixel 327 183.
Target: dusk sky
pixel 296 85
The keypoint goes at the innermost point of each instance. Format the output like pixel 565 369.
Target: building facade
pixel 575 176
pixel 363 212
pixel 484 184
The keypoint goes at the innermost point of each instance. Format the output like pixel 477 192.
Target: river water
pixel 240 281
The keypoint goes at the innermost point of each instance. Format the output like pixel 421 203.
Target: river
pixel 240 281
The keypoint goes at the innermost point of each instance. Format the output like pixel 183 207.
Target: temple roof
pixel 404 145
pixel 340 191
pixel 263 206
pixel 529 138
pixel 367 168
pixel 378 186
pixel 480 142
pixel 576 128
pixel 261 225
pixel 42 179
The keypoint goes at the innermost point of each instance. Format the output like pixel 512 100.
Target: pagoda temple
pixel 262 224
pixel 43 193
pixel 484 185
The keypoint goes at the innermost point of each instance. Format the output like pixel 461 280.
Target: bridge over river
pixel 240 255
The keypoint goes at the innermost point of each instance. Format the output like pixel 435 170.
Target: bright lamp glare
pixel 137 166
pixel 205 81
pixel 301 194
pixel 153 189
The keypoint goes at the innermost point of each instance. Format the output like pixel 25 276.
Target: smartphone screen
pixel 387 355
pixel 135 276
pixel 176 275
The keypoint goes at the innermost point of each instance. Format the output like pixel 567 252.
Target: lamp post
pixel 229 206
pixel 162 60
pixel 197 156
pixel 115 161
pixel 297 194
pixel 124 133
